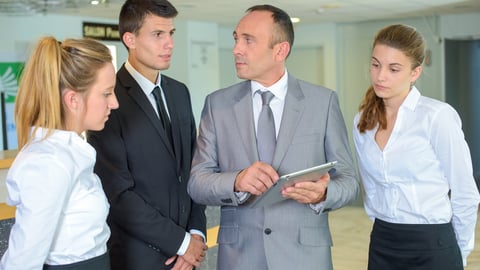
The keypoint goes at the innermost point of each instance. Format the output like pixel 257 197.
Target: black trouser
pixel 101 262
pixel 413 247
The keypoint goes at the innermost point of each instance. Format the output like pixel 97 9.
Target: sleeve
pixel 149 225
pixel 198 219
pixel 343 187
pixel 207 184
pixel 38 187
pixel 452 150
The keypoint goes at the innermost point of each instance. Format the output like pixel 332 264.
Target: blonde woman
pixel 60 221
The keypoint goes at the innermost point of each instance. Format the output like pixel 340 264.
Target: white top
pixel 425 157
pixel 61 208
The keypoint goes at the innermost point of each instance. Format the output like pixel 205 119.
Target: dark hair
pixel 401 37
pixel 284 31
pixel 133 13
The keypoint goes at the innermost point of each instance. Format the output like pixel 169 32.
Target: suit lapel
pixel 243 114
pixel 176 131
pixel 136 93
pixel 292 113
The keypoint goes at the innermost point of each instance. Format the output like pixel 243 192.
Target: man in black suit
pixel 144 152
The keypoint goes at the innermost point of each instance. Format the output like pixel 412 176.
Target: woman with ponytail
pixel 60 220
pixel 414 163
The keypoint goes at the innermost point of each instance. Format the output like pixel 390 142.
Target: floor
pixel 350 229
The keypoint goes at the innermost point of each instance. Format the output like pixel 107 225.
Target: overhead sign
pixel 101 31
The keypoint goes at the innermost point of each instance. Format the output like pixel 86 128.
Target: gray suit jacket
pixel 286 235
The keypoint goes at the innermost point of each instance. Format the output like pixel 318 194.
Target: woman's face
pixel 100 99
pixel 391 72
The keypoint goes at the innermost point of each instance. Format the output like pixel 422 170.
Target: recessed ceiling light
pixel 331 6
pixel 295 20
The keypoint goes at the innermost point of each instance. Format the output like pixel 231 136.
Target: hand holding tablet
pixel 273 195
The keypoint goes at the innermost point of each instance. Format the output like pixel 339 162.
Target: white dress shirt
pixel 425 157
pixel 61 208
pixel 147 87
pixel 279 90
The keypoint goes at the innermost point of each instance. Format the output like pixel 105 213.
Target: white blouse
pixel 61 208
pixel 425 158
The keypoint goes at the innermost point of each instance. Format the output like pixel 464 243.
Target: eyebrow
pixel 243 35
pixel 392 64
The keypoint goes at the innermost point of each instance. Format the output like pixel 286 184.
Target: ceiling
pixel 228 12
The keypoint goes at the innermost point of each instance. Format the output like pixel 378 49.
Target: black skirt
pixel 101 262
pixel 413 247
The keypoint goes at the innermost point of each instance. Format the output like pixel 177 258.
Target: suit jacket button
pixel 268 231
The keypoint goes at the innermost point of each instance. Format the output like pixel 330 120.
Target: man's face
pixel 253 53
pixel 150 49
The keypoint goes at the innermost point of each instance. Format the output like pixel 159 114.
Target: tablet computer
pixel 274 195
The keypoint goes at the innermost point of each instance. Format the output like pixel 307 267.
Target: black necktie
pixel 266 135
pixel 162 112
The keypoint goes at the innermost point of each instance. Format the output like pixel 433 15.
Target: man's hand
pixel 180 264
pixel 195 254
pixel 196 251
pixel 311 192
pixel 256 179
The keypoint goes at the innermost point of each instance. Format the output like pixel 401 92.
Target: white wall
pixel 21 32
pixel 346 50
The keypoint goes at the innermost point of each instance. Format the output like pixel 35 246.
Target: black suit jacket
pixel 145 178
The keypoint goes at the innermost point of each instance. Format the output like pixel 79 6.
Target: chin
pixel 97 128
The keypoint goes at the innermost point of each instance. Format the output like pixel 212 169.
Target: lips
pixel 380 87
pixel 240 63
pixel 239 60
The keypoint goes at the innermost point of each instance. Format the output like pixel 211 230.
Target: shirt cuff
pixel 193 231
pixel 318 208
pixel 186 241
pixel 241 196
pixel 183 247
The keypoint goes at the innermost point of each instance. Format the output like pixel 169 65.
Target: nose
pixel 113 102
pixel 237 48
pixel 381 76
pixel 169 43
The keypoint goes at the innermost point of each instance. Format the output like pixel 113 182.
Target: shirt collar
pixel 279 89
pixel 412 99
pixel 146 85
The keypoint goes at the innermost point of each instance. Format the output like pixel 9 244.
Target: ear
pixel 416 72
pixel 129 39
pixel 70 99
pixel 283 48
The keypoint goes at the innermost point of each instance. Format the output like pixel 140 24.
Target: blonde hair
pixel 52 67
pixel 406 39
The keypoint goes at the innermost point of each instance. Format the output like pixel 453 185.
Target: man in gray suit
pixel 228 170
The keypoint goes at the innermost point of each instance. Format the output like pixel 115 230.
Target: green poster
pixel 9 77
